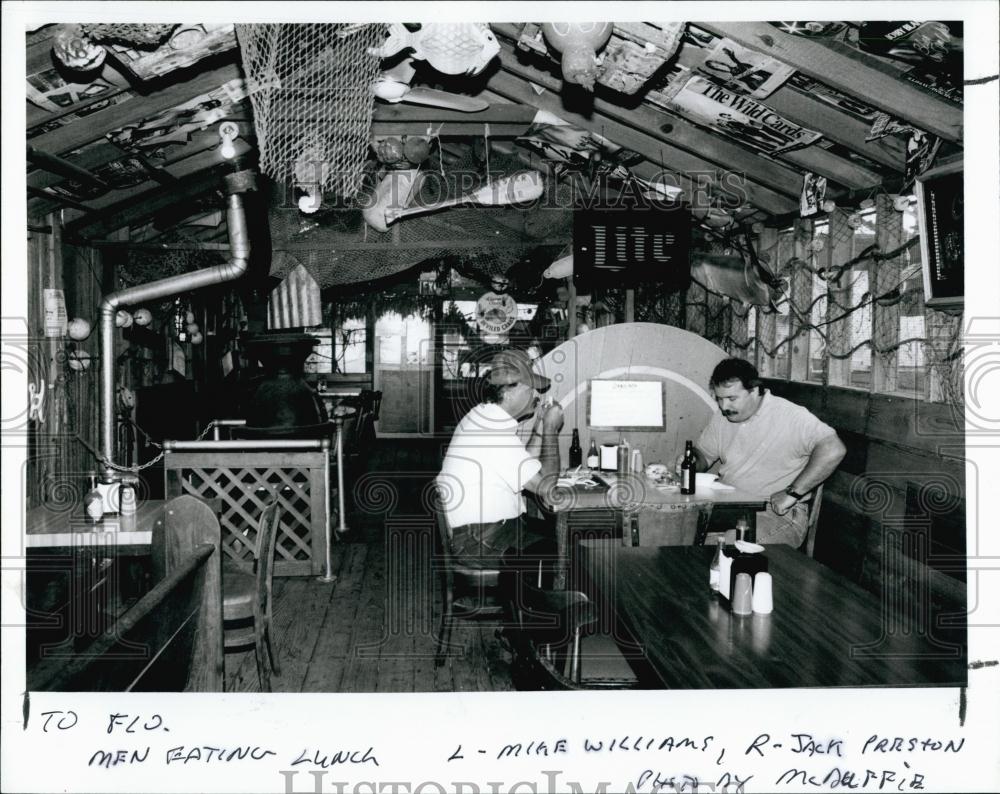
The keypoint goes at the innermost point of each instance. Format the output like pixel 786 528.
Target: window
pixel 866 325
pixel 351 338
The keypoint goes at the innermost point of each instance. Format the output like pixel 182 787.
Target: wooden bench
pixel 171 640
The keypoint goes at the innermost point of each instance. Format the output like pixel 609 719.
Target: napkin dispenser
pixel 734 562
pixel 609 457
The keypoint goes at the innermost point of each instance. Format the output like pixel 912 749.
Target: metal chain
pixel 136 469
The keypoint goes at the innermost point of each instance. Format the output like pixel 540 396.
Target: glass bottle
pixel 713 570
pixel 126 507
pixel 593 458
pixel 93 503
pixel 688 469
pixel 575 451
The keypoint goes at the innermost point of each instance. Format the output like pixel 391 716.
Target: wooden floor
pixel 375 628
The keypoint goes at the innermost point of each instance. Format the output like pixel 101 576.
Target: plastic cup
pixel 742 595
pixel 763 597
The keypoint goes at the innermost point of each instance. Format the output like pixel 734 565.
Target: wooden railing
pixel 171 640
pixel 244 476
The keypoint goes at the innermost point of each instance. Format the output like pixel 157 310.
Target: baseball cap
pixel 514 366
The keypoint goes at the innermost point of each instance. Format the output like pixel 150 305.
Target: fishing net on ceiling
pixel 311 90
pixel 336 247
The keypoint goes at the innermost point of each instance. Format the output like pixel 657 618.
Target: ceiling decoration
pixel 729 118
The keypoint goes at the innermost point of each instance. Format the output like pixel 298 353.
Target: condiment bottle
pixel 93 503
pixel 623 457
pixel 713 570
pixel 126 507
pixel 593 458
pixel 688 469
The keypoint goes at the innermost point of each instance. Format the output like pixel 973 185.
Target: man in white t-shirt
pixel 767 446
pixel 487 466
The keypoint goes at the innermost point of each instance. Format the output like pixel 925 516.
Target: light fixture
pixel 228 132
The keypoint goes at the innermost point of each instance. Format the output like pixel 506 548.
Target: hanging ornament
pixel 578 42
pixel 901 203
pixel 829 206
pixel 854 220
pixel 78 360
pixel 192 328
pixel 197 338
pixel 417 148
pixel 123 319
pixel 73 49
pixel 78 329
pixel 142 317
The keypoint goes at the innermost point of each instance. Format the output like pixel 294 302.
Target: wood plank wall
pixel 58 458
pixel 894 512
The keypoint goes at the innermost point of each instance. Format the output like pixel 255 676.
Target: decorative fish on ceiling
pixel 463 48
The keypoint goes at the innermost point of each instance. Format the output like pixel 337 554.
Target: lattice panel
pixel 244 483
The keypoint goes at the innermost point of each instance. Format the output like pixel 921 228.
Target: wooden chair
pixel 247 597
pixel 468 593
pixel 809 544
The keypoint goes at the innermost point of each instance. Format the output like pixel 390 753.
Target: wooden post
pixel 800 294
pixel 629 305
pixel 838 333
pixel 695 310
pixel 884 277
pixel 571 310
pixel 766 321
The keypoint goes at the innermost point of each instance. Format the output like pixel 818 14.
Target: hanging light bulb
pixel 228 132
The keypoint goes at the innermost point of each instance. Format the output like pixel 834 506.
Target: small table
pixel 630 492
pixel 46 528
pixel 825 631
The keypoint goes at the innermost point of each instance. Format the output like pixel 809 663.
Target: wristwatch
pixel 792 492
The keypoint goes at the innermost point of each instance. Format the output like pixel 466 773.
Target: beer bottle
pixel 575 451
pixel 593 458
pixel 688 469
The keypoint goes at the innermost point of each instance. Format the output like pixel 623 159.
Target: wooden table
pixel 825 631
pixel 631 493
pixel 48 528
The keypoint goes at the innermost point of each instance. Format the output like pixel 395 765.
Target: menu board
pixel 940 197
pixel 626 405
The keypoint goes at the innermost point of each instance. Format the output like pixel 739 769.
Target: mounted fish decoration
pixel 519 188
pixel 393 85
pixel 464 48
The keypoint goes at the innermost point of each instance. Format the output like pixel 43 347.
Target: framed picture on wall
pixel 941 207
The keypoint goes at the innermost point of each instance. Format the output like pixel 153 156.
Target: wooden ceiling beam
pixel 56 199
pixel 402 119
pixel 652 122
pixel 74 135
pixel 848 70
pixel 63 167
pixel 200 158
pixel 837 126
pixel 419 245
pixel 97 156
pixel 197 175
pixel 660 156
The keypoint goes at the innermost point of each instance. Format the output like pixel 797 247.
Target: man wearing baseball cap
pixel 487 465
